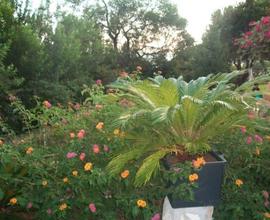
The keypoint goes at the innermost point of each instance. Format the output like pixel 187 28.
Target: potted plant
pixel 175 121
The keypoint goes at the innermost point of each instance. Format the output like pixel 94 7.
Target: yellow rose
pixel 141 203
pixel 88 166
pixel 100 125
pixel 116 132
pixel 13 201
pixel 63 206
pixel 75 173
pixel 65 180
pixel 44 182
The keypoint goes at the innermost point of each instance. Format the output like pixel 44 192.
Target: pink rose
pixel 96 149
pixel 243 129
pixel 156 217
pixel 71 155
pixel 82 156
pixel 106 148
pixel 258 138
pixel 99 82
pixel 47 104
pixel 249 140
pixel 81 134
pixel 92 207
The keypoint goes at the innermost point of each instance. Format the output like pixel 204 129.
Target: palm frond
pixel 117 164
pixel 149 166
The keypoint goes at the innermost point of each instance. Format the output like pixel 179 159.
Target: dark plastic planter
pixel 210 180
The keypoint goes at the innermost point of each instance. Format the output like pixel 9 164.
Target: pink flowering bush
pixel 255 43
pixel 58 170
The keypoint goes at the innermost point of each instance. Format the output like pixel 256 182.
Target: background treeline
pixel 51 53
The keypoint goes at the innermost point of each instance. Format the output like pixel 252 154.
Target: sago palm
pixel 174 116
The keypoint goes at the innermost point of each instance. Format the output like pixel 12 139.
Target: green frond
pixel 117 164
pixel 149 166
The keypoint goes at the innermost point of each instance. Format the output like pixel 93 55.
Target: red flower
pixel 249 43
pixel 248 33
pixel 258 28
pixel 266 20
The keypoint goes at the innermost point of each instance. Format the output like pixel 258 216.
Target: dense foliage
pixel 60 133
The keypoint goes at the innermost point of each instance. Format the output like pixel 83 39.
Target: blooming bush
pixel 246 184
pixel 255 43
pixel 57 170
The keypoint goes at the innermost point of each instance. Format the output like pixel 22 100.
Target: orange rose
pixel 198 162
pixel 239 182
pixel 13 201
pixel 193 177
pixel 125 174
pixel 29 150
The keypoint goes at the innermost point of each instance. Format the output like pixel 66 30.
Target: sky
pixel 197 12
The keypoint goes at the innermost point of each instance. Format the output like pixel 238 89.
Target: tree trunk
pixel 250 74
